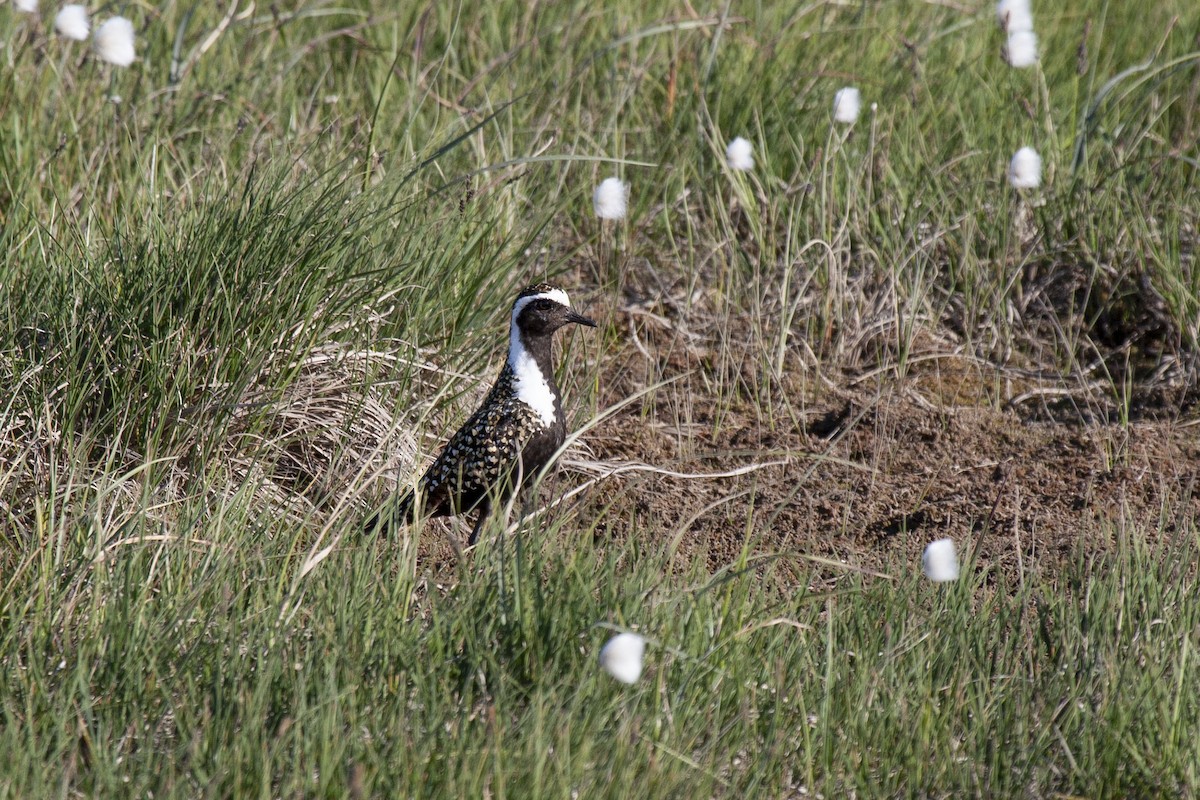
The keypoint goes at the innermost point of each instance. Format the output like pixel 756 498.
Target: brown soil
pixel 874 480
pixel 870 476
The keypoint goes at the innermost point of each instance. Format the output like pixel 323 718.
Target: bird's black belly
pixel 539 450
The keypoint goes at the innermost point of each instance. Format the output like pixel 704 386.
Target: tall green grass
pixel 207 669
pixel 250 282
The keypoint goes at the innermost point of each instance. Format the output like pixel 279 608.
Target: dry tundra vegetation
pixel 252 279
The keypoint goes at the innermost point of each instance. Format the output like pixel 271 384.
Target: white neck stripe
pixel 530 384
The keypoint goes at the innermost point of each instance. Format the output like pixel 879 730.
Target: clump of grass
pixel 245 677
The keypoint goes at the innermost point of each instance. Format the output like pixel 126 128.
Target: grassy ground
pixel 249 282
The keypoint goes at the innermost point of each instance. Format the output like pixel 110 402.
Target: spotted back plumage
pixel 489 451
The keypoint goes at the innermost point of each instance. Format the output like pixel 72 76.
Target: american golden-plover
pixel 512 436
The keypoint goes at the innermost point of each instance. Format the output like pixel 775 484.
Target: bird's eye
pixel 544 305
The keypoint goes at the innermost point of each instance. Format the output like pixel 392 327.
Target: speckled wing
pixel 482 452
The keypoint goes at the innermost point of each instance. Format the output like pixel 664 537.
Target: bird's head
pixel 542 309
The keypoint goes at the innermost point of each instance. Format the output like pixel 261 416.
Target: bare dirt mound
pixel 865 478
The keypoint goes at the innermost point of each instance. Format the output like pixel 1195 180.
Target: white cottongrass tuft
pixel 740 154
pixel 846 105
pixel 114 41
pixel 610 198
pixel 1025 169
pixel 28 6
pixel 940 562
pixel 621 657
pixel 72 22
pixel 1014 15
pixel 1022 49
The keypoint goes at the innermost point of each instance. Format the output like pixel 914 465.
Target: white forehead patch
pixel 557 295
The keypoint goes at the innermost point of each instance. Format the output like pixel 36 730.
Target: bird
pixel 514 433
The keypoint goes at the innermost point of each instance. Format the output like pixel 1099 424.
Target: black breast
pixel 541 447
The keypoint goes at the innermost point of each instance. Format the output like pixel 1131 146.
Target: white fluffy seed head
pixel 740 154
pixel 114 41
pixel 1022 49
pixel 846 105
pixel 940 562
pixel 611 198
pixel 1014 15
pixel 622 655
pixel 1025 169
pixel 28 6
pixel 72 22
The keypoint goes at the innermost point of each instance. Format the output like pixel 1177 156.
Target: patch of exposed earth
pixel 1025 469
pixel 873 480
